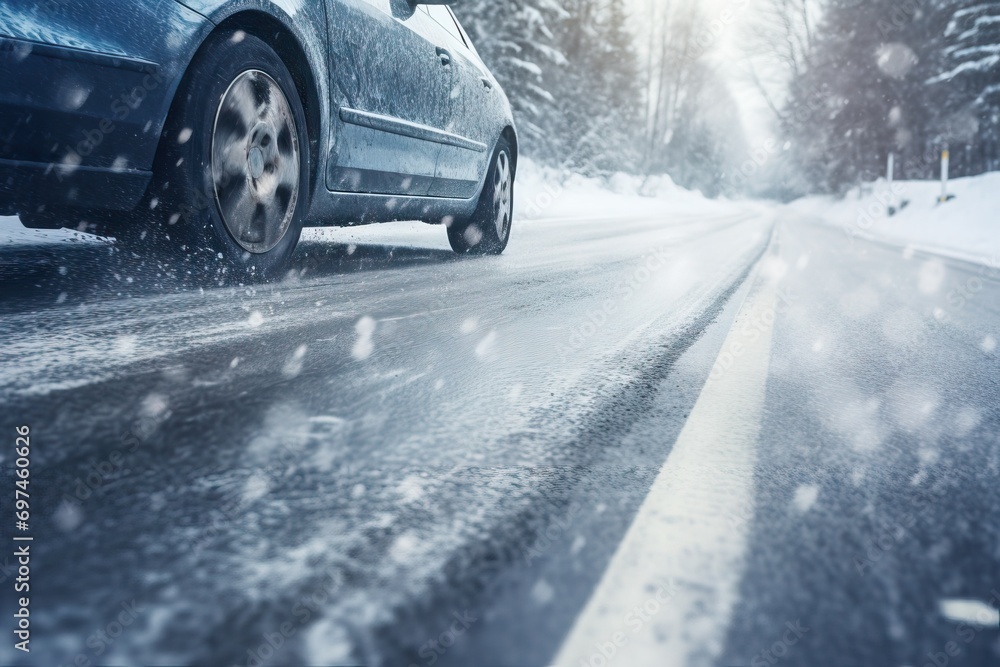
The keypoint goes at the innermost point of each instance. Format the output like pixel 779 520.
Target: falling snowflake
pixel 364 346
pixel 487 345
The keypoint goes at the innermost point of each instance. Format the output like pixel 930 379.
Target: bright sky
pixel 725 19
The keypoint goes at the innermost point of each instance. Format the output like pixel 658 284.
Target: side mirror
pixel 411 6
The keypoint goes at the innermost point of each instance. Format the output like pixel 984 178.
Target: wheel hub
pixel 255 162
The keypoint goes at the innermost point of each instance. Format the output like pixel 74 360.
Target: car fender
pixel 306 22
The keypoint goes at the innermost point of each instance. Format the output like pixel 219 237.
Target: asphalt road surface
pixel 732 440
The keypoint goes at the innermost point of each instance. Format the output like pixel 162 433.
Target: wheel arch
pixel 288 46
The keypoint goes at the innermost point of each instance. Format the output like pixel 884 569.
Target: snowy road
pixel 403 458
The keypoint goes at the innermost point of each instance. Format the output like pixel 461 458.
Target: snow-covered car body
pixel 402 113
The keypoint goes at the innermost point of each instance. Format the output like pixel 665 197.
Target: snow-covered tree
pixel 906 76
pixel 571 71
pixel 598 97
pixel 967 85
pixel 860 94
pixel 515 39
pixel 597 90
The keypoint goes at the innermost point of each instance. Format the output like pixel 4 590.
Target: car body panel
pixel 460 170
pixel 386 68
pixel 86 92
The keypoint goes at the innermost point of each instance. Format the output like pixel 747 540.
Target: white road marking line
pixel 669 591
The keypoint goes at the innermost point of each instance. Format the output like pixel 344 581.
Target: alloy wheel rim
pixel 502 195
pixel 255 162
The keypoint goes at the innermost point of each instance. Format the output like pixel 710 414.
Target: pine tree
pixel 598 96
pixel 855 101
pixel 967 85
pixel 571 71
pixel 621 94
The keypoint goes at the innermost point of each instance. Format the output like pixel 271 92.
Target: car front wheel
pixel 232 173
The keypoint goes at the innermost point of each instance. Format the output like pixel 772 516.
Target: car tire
pixel 487 232
pixel 231 182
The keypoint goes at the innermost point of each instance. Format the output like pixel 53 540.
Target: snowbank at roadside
pixel 967 227
pixel 12 233
pixel 544 192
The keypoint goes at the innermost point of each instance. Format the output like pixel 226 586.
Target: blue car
pixel 223 127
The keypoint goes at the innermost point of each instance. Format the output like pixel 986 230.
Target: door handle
pixel 444 55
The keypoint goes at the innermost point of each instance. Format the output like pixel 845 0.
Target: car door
pixel 462 163
pixel 393 102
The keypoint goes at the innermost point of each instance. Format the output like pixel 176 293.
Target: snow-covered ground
pixel 389 448
pixel 441 407
pixel 12 232
pixel 967 227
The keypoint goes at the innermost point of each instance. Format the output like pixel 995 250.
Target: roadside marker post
pixel 890 169
pixel 945 163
